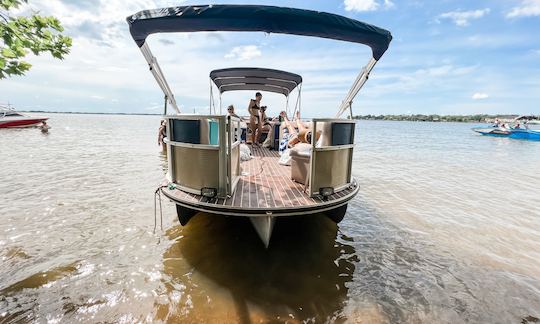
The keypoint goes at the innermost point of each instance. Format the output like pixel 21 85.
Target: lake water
pixel 446 229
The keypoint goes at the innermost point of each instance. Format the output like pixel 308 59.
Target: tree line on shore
pixel 439 118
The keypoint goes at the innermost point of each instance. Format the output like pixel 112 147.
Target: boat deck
pixel 264 185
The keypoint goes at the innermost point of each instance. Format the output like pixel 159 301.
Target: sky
pixel 446 57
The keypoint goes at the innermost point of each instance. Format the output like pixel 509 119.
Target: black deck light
pixel 326 192
pixel 208 192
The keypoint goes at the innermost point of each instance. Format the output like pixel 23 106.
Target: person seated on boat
pixel 254 124
pixel 162 133
pixel 264 119
pixel 300 134
pixel 517 126
pixel 497 123
pixel 230 112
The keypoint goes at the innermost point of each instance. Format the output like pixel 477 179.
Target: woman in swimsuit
pixel 299 134
pixel 254 124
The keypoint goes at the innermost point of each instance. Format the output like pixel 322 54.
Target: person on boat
pixel 162 133
pixel 299 134
pixel 44 127
pixel 230 112
pixel 497 123
pixel 517 126
pixel 254 124
pixel 264 119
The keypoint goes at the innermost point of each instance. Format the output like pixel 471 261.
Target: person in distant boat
pixel 497 123
pixel 254 124
pixel 230 112
pixel 162 133
pixel 517 126
pixel 44 127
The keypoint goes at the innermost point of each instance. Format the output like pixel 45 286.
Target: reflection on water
pixel 302 277
pixel 445 229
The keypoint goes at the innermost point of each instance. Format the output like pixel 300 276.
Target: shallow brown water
pixel 446 229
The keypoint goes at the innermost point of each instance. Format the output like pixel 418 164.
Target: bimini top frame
pixel 277 81
pixel 253 18
pixel 259 79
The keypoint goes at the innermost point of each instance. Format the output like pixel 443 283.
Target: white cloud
pixel 244 53
pixel 461 18
pixel 526 9
pixel 366 5
pixel 445 70
pixel 480 96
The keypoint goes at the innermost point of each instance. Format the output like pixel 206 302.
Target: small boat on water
pixel 493 131
pixel 526 134
pixel 9 118
pixel 205 171
pixel 526 131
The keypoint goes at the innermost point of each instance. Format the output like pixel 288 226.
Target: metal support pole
pixel 165 106
pixel 211 97
pixel 362 78
pixel 158 75
pixel 220 103
pixel 300 100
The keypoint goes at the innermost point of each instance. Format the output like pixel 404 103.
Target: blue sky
pixel 447 57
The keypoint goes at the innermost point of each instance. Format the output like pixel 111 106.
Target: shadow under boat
pixel 303 276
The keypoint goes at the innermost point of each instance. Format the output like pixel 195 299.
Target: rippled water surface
pixel 446 228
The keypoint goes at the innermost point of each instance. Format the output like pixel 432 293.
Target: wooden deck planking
pixel 264 184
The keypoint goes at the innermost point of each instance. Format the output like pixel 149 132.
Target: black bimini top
pixel 267 19
pixel 255 79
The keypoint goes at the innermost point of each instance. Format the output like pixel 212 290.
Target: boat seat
pixel 300 161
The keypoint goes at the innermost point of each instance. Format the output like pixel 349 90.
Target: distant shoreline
pixel 442 118
pixel 87 113
pixel 412 118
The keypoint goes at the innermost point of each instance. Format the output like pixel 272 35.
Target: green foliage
pixel 21 35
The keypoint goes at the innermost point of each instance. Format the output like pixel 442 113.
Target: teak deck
pixel 264 184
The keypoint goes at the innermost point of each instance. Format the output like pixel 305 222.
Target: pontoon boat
pixel 203 151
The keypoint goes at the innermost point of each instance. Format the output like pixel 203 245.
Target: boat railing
pixel 234 133
pixel 204 154
pixel 331 156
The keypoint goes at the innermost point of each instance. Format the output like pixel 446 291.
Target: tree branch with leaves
pixel 24 34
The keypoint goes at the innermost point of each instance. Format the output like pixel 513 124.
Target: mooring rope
pixel 157 195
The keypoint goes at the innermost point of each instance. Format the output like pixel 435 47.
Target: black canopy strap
pixel 269 19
